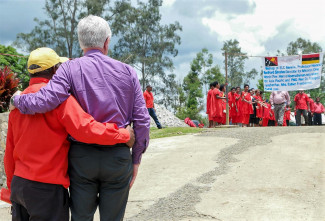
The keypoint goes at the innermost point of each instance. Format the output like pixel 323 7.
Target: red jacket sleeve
pixel 9 162
pixel 83 127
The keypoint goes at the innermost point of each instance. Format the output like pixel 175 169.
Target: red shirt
pixel 37 146
pixel 301 101
pixel 148 97
pixel 318 108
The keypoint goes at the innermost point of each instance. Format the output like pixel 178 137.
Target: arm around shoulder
pixel 84 128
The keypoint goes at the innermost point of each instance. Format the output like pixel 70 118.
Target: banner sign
pixel 292 73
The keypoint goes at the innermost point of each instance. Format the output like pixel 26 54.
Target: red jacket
pixel 148 97
pixel 37 146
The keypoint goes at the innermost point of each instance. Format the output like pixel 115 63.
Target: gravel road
pixel 231 174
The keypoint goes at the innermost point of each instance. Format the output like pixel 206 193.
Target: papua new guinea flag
pixel 271 61
pixel 310 59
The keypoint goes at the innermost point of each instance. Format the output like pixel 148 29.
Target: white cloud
pixel 168 3
pixel 252 30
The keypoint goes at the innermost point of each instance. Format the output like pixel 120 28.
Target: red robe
pixel 216 106
pixel 232 107
pixel 259 110
pixel 266 115
pixel 224 106
pixel 238 117
pixel 209 96
pixel 246 108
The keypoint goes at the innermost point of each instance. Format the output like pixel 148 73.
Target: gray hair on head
pixel 93 32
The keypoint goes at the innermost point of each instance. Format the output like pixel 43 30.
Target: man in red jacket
pixel 148 97
pixel 301 107
pixel 36 157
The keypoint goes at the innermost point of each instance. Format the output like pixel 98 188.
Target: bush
pixel 17 63
pixel 8 86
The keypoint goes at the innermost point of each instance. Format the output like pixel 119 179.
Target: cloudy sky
pixel 261 26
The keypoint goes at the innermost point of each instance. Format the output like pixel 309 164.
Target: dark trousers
pixel 310 119
pixel 152 113
pixel 35 201
pixel 271 123
pixel 317 119
pixel 298 116
pixel 99 176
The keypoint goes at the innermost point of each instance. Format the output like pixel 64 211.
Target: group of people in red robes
pixel 246 108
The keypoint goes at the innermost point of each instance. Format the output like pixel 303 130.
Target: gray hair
pixel 93 32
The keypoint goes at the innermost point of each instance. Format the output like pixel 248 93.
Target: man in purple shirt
pixel 279 100
pixel 109 91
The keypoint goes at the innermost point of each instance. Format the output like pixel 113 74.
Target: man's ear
pixel 106 45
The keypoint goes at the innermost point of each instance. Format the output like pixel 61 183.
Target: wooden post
pixel 226 85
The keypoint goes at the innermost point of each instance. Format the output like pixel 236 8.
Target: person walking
pixel 279 100
pixel 148 97
pixel 36 156
pixel 301 107
pixel 318 110
pixel 110 91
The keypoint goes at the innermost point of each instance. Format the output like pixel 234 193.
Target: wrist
pixel 12 100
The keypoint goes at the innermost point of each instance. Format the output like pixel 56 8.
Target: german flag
pixel 271 61
pixel 310 59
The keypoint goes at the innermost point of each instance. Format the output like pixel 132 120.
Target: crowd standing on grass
pixel 248 108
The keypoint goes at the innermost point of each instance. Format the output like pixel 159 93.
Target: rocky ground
pixel 166 118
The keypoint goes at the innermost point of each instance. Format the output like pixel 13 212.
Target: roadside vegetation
pixel 173 131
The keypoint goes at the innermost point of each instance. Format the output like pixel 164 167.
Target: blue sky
pixel 262 27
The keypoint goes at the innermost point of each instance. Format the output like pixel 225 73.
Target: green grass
pixel 173 131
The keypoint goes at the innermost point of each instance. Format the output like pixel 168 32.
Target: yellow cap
pixel 42 59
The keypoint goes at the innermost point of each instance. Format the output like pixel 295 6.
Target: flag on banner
pixel 310 59
pixel 271 61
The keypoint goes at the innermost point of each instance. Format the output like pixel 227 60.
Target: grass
pixel 173 131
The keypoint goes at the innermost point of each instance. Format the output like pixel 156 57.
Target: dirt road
pixel 231 174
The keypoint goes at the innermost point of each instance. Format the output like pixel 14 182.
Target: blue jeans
pixel 152 114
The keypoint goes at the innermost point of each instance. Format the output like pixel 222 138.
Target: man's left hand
pixel 135 173
pixel 130 143
pixel 11 105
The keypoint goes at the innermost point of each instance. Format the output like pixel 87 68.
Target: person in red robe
pixel 266 114
pixel 259 102
pixel 232 105
pixel 237 119
pixel 223 104
pixel 246 106
pixel 209 95
pixel 216 105
pixel 287 115
pixel 272 118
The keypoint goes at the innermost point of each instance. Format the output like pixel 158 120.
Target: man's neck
pixel 89 49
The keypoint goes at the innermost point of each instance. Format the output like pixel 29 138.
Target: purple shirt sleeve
pixel 271 98
pixel 141 122
pixel 288 98
pixel 48 98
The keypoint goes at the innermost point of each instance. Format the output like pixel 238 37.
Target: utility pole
pixel 226 84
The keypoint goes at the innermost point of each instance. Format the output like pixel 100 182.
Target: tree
pixel 17 64
pixel 144 42
pixel 170 93
pixel 59 31
pixel 302 46
pixel 235 62
pixel 206 71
